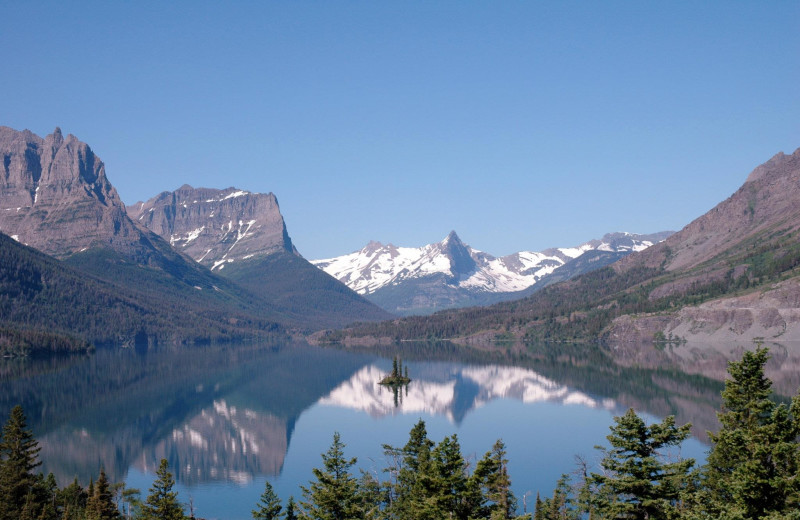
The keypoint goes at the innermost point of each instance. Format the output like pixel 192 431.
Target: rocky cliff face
pixel 54 196
pixel 242 237
pixel 216 227
pixel 772 315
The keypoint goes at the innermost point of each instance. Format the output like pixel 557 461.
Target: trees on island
pixel 752 472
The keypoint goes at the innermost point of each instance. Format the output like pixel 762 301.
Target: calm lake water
pixel 230 418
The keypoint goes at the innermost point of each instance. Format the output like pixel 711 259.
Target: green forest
pixel 65 305
pixel 751 472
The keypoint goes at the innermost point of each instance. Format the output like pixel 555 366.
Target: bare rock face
pixel 216 227
pixel 54 196
pixel 771 315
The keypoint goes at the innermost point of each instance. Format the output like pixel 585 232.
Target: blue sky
pixel 521 125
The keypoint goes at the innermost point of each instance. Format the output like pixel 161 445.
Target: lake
pixel 228 418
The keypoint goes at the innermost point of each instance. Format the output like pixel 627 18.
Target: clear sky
pixel 521 125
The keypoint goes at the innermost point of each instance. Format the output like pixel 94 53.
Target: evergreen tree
pixel 538 510
pixel 752 468
pixel 72 499
pixel 493 495
pixel 100 505
pixel 636 484
pixel 290 512
pixel 162 503
pixel 412 473
pixel 334 493
pixel 48 497
pixel 371 497
pixel 131 502
pixel 18 452
pixel 560 506
pixel 449 480
pixel 269 505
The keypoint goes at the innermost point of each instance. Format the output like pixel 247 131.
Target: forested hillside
pixel 309 297
pixel 41 295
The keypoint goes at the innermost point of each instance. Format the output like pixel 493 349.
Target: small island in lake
pixel 398 377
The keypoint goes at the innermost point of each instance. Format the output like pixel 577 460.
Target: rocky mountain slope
pixel 242 237
pixel 450 273
pixel 732 270
pixel 55 196
pixel 749 239
pixel 216 227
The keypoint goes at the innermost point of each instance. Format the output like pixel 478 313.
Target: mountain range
pixel 242 237
pixel 733 273
pixel 450 273
pixel 201 264
pixel 108 278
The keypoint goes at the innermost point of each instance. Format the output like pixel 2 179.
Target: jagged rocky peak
pixel 215 226
pixel 459 254
pixel 55 196
pixel 777 163
pixel 372 247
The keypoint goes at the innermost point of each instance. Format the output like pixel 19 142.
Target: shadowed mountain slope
pixel 40 293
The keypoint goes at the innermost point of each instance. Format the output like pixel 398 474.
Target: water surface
pixel 229 418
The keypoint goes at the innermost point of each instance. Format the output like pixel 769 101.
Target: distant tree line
pixel 752 472
pixel 21 342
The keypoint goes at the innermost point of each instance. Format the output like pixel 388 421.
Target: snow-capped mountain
pixel 408 280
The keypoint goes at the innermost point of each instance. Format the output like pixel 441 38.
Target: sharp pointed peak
pixel 57 137
pixel 451 237
pixel 373 245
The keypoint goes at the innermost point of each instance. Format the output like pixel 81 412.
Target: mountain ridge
pixel 242 237
pixel 55 196
pixel 208 224
pixel 450 273
pixel 688 284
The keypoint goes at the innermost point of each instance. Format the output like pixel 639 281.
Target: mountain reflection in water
pixel 453 391
pixel 226 415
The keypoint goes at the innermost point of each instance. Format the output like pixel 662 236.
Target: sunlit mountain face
pixel 453 393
